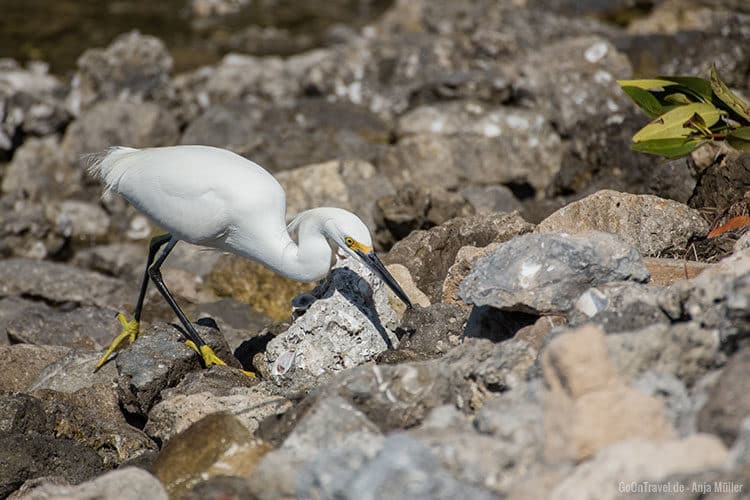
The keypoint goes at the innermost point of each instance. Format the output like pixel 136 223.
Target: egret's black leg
pixel 130 329
pixel 155 273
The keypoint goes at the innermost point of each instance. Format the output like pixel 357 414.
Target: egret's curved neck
pixel 310 258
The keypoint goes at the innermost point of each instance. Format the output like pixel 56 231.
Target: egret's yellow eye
pixel 349 241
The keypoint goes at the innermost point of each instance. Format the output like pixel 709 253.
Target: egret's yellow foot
pixel 129 331
pixel 210 357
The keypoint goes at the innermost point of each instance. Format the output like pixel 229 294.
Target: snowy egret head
pixel 351 235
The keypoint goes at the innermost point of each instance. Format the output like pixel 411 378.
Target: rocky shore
pixel 576 334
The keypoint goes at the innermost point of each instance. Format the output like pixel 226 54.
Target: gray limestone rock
pixel 39 172
pixel 350 322
pixel 620 307
pixel 429 254
pixel 59 283
pixel 87 328
pixel 651 224
pixel 133 66
pixel 542 273
pixel 159 359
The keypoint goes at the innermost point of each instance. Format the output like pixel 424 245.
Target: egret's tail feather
pixel 103 165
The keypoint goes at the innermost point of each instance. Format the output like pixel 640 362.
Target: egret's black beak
pixel 374 263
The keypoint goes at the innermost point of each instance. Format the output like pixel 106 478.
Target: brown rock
pixel 216 445
pixel 664 272
pixel 22 364
pixel 417 296
pixel 651 224
pixel 588 407
pixel 429 254
pixel 251 283
pixel 535 334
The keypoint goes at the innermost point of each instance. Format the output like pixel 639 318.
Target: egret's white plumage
pixel 215 198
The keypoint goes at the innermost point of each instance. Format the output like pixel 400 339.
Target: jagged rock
pixel 23 363
pixel 29 456
pixel 216 445
pixel 59 283
pixel 252 283
pixel 427 332
pixel 352 185
pixel 31 103
pixel 652 225
pixel 79 220
pixel 125 260
pixel 133 66
pixel 178 410
pixel 638 460
pixel 674 394
pixel 349 323
pixel 429 254
pixel 286 137
pixel 717 298
pixel 73 372
pixel 137 124
pixel 92 417
pixel 588 407
pixel 238 322
pixel 416 296
pixel 26 232
pixel 159 359
pixel 488 199
pixel 465 259
pixel 727 403
pixel 39 172
pixel 538 273
pixel 88 328
pixel 127 483
pixel 620 307
pixel 412 208
pixel 686 350
pixel 459 143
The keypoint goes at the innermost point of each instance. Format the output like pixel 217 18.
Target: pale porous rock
pixel 651 224
pixel 588 407
pixel 128 483
pixel 718 298
pixel 73 372
pixel 137 124
pixel 349 323
pixel 743 243
pixel 39 172
pixel 429 254
pixel 250 405
pixel 639 460
pixel 543 273
pixel 685 350
pixel 133 66
pixel 215 445
pixel 352 185
pixel 459 143
pixel 620 307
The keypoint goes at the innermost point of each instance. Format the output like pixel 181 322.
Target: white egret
pixel 215 198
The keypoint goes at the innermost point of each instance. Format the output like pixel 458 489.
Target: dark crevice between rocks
pixel 522 190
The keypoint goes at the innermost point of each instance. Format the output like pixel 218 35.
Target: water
pixel 58 31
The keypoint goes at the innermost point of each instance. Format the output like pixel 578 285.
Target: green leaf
pixel 698 86
pixel 677 98
pixel 728 97
pixel 645 100
pixel 652 84
pixel 739 144
pixel 675 123
pixel 669 148
pixel 742 133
